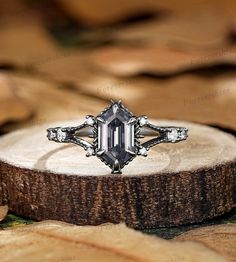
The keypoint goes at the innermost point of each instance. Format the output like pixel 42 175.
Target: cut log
pixel 176 184
pixel 55 241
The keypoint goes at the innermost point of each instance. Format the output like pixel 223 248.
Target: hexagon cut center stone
pixel 116 135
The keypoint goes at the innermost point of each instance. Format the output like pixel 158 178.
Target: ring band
pixel 116 135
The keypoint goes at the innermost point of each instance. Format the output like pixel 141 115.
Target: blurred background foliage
pixel 63 59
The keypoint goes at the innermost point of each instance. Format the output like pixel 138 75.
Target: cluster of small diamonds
pixel 176 135
pixel 57 134
pixel 90 121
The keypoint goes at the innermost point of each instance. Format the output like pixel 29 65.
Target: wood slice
pixel 176 184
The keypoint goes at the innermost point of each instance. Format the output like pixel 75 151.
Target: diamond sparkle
pixel 172 135
pixel 61 135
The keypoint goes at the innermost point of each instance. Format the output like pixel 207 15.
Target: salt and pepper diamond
pixel 116 134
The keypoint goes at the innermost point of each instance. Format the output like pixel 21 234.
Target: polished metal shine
pixel 116 134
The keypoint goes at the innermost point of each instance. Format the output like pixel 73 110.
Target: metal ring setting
pixel 116 135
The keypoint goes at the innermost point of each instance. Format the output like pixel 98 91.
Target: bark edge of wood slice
pixel 176 184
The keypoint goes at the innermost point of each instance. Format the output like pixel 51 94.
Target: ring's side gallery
pixel 117 135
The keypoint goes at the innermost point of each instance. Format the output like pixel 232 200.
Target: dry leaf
pixel 51 101
pixel 24 41
pixel 68 66
pixel 3 212
pixel 209 100
pixel 12 107
pixel 221 238
pixel 127 61
pixel 100 12
pixel 97 12
pixel 57 241
pixel 190 31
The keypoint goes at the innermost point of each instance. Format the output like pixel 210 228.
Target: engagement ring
pixel 116 135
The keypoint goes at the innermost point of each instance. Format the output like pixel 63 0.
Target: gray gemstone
pixel 116 141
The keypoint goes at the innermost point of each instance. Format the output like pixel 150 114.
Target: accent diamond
pixel 61 135
pixel 90 151
pixel 172 135
pixel 89 120
pixel 51 134
pixel 143 151
pixel 182 134
pixel 143 120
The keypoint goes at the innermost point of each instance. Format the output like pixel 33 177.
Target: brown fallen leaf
pixel 12 107
pixel 100 12
pixel 221 238
pixel 51 100
pixel 69 66
pixel 57 241
pixel 209 100
pixel 24 40
pixel 95 12
pixel 128 61
pixel 3 212
pixel 188 32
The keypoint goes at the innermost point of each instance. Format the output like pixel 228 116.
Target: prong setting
pixel 116 169
pixel 116 135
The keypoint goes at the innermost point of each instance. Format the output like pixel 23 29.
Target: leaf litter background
pixel 170 59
